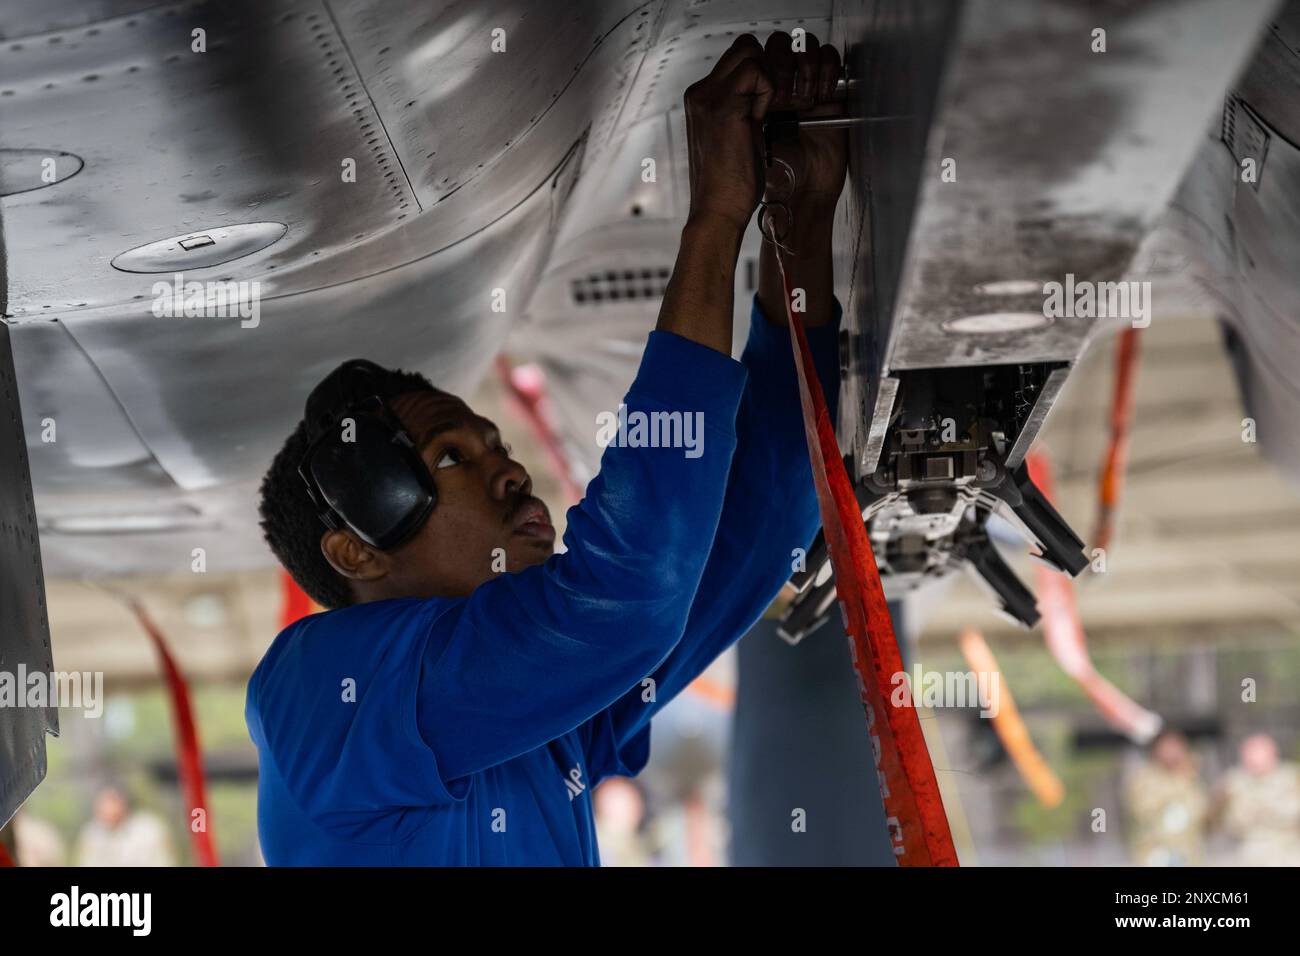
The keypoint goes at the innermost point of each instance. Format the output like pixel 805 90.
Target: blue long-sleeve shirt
pixel 471 731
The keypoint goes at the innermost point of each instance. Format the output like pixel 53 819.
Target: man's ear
pixel 352 557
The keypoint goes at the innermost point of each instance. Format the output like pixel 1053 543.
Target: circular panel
pixel 1011 287
pixel 200 249
pixel 22 170
pixel 994 323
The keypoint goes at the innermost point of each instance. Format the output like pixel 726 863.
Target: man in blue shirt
pixel 470 687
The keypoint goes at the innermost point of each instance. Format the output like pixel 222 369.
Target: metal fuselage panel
pixel 419 172
pixel 1238 212
pixel 25 656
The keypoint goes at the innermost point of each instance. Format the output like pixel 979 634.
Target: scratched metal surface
pixel 1065 161
pixel 1070 178
pixel 896 51
pixel 464 159
pixel 1242 240
pixel 617 226
pixel 24 625
pixel 468 165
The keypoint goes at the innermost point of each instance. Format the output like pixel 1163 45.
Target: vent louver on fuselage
pixel 625 285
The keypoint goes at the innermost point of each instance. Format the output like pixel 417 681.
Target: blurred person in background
pixel 1260 805
pixel 1168 806
pixel 690 829
pixel 620 823
pixel 38 842
pixel 120 836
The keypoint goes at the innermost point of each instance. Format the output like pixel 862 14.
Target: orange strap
pixel 1009 726
pixel 918 825
pixel 713 692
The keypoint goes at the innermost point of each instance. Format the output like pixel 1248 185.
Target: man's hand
pixel 724 114
pixel 804 82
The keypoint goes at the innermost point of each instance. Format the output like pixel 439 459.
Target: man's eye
pixel 505 449
pixel 449 457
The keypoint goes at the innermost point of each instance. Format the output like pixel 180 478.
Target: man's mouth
pixel 533 521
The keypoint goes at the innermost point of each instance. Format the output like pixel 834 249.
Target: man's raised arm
pixel 530 656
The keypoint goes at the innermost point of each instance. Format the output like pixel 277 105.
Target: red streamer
pixel 527 392
pixel 1065 639
pixel 294 602
pixel 188 759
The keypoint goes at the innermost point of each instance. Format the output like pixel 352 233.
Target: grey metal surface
pixel 1065 159
pixel 23 19
pixel 895 53
pixel 617 223
pixel 1242 239
pixel 1070 179
pixel 464 161
pixel 1037 417
pixel 24 625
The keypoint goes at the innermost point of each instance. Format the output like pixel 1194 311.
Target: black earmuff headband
pixel 361 468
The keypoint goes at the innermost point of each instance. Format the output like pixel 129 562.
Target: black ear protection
pixel 361 468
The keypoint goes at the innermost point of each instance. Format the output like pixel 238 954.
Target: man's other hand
pixel 724 114
pixel 804 82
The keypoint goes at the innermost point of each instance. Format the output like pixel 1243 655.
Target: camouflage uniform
pixel 1263 814
pixel 1168 813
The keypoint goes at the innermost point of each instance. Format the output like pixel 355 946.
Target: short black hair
pixel 290 522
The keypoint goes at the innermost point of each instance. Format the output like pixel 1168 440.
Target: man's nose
pixel 511 479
